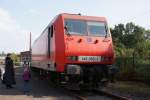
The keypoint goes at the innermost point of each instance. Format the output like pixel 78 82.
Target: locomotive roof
pixel 74 16
pixel 82 17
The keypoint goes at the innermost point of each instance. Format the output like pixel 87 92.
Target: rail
pixel 113 96
pixel 78 96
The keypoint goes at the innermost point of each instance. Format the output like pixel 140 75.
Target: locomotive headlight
pixel 106 58
pixel 72 58
pixel 73 69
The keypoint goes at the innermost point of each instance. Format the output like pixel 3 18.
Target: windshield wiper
pixel 66 29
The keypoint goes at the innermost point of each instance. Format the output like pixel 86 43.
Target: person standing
pixel 26 78
pixel 9 75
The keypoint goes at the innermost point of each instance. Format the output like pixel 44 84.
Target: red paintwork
pixel 63 45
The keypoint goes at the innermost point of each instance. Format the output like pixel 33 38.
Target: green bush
pixel 143 72
pixel 132 66
pixel 132 46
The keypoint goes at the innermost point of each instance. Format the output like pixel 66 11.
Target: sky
pixel 20 17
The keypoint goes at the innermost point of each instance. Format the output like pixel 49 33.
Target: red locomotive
pixel 74 50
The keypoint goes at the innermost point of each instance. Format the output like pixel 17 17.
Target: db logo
pixel 89 40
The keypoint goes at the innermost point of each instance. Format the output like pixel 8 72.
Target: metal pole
pixel 30 51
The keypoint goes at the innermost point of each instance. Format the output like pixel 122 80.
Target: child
pixel 26 78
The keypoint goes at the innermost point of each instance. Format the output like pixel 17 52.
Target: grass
pixel 128 86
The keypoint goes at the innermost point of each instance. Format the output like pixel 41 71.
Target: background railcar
pixel 74 50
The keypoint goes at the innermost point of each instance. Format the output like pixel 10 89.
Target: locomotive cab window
pixel 77 27
pixel 97 28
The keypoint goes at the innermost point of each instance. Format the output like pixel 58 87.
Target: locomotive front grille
pixel 73 69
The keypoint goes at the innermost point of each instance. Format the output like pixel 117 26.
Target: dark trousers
pixel 26 86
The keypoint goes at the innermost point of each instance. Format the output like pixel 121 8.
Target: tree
pixel 15 57
pixel 118 32
pixel 147 34
pixel 127 35
pixel 132 46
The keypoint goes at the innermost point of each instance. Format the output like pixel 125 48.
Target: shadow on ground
pixel 39 88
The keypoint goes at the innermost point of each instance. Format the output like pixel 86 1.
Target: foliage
pixel 16 58
pixel 125 63
pixel 132 46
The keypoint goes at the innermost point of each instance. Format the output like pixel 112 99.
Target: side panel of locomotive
pixel 39 51
pixel 44 49
pixel 48 51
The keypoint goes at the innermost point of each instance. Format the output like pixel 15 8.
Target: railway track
pixel 102 95
pixel 113 96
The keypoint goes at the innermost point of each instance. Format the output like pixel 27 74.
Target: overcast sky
pixel 19 17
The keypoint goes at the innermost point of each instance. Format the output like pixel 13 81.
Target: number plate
pixel 90 58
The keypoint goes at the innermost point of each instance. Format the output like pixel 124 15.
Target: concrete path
pixel 41 90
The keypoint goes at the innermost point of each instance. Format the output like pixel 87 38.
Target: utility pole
pixel 30 50
pixel 30 43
